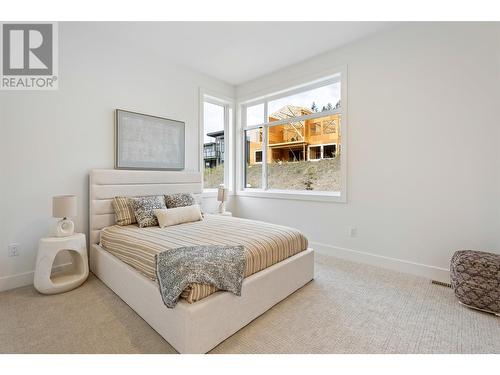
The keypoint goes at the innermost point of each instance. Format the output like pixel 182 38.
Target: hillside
pixel 321 175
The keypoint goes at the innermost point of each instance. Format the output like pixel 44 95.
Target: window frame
pixel 309 152
pixel 315 127
pixel 331 77
pixel 228 104
pixel 323 150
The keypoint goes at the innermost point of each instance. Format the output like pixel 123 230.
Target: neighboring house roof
pixel 289 111
pixel 216 134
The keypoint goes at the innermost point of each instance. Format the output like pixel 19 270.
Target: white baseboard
pixel 25 278
pixel 423 270
pixel 16 281
pixel 400 265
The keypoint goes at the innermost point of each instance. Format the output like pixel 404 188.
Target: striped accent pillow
pixel 124 213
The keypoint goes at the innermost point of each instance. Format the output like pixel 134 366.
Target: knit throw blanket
pixel 220 266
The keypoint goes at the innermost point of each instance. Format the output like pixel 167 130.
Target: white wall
pixel 423 159
pixel 423 162
pixel 50 140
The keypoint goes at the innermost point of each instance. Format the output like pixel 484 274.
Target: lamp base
pixel 65 228
pixel 222 207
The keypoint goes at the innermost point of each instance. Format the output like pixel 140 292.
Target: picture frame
pixel 148 142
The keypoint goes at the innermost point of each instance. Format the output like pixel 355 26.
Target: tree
pixel 314 107
pixel 329 107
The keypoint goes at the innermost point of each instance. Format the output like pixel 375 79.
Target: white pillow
pixel 178 215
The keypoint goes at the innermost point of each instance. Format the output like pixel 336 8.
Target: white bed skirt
pixel 199 327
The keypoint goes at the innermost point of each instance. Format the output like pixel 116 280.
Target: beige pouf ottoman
pixel 475 278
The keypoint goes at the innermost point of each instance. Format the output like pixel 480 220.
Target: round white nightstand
pixel 225 213
pixel 48 248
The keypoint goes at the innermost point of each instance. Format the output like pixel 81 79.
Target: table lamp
pixel 64 206
pixel 222 197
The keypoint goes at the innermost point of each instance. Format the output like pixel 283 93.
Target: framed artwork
pixel 148 142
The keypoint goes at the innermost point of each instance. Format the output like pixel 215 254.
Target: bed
pixel 204 317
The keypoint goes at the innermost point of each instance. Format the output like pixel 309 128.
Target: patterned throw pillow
pixel 179 200
pixel 124 213
pixel 144 208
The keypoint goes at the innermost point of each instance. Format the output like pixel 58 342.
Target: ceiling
pixel 237 52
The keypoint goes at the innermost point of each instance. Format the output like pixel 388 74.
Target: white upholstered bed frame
pixel 189 328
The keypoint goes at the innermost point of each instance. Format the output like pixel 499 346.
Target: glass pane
pixel 213 145
pixel 301 157
pixel 253 158
pixel 255 115
pixel 324 98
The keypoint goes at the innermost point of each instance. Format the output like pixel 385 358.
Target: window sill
pixel 207 193
pixel 294 195
pixel 211 193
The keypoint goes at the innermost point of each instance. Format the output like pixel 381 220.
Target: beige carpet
pixel 348 308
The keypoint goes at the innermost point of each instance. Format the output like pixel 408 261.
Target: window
pixel 329 151
pixel 331 125
pixel 314 152
pixel 322 152
pixel 321 99
pixel 253 168
pixel 295 148
pixel 258 156
pixel 315 128
pixel 255 114
pixel 217 115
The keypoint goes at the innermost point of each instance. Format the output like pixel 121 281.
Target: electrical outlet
pixel 13 249
pixel 352 231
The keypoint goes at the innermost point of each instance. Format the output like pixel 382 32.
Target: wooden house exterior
pixel 312 139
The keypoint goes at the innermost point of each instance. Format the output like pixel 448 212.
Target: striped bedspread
pixel 265 244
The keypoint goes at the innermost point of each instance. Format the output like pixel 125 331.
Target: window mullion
pixel 243 177
pixel 296 119
pixel 264 150
pixel 226 146
pixel 243 164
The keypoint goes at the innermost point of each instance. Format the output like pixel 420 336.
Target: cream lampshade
pixel 222 197
pixel 64 206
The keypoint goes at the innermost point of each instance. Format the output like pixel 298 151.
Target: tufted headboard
pixel 105 184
